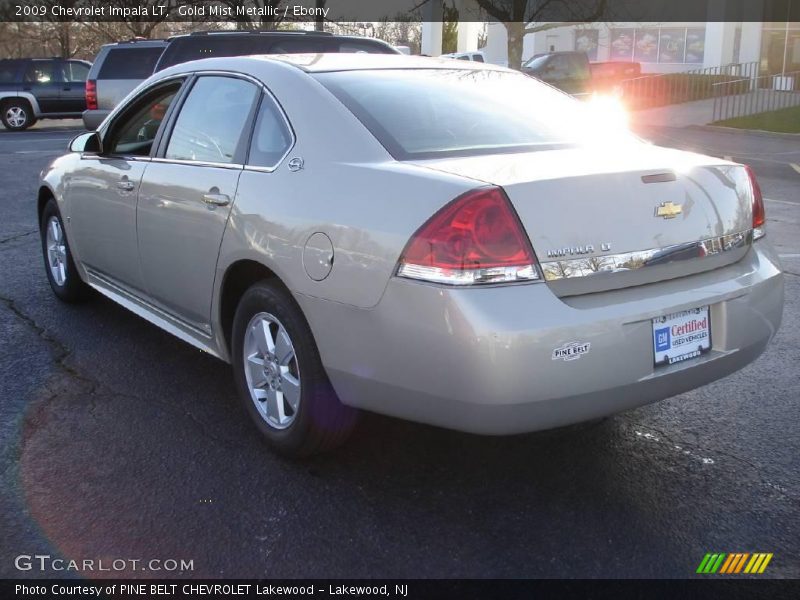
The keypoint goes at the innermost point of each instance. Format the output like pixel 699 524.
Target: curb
pixel 758 132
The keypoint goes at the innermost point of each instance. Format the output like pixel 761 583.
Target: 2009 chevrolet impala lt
pixel 442 241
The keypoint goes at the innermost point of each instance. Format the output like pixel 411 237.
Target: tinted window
pixel 420 113
pixel 477 57
pixel 129 63
pixel 75 72
pixel 134 132
pixel 40 71
pixel 271 138
pixel 210 124
pixel 8 71
pixel 189 48
pixel 358 46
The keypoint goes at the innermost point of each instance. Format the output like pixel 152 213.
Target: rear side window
pixel 211 122
pixel 271 138
pixel 129 63
pixel 8 71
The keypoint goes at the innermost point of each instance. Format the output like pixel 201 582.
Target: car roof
pixel 320 63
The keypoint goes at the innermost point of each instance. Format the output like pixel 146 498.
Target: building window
pixel 668 45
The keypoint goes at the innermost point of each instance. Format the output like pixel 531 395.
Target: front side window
pixel 211 122
pixel 271 138
pixel 135 131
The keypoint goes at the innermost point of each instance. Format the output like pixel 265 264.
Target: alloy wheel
pixel 271 370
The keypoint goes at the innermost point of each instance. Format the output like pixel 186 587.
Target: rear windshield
pixel 428 113
pixel 130 63
pixel 183 50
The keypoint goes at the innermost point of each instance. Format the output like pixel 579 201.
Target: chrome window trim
pixel 198 163
pixel 610 263
pixel 289 148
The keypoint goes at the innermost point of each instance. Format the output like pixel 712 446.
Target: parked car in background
pixel 476 56
pixel 41 88
pixel 117 69
pixel 438 240
pixel 568 71
pixel 211 44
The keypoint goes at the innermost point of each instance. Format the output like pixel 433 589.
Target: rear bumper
pixel 93 118
pixel 480 359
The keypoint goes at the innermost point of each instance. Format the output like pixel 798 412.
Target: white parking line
pixel 782 201
pixel 789 255
pixel 795 166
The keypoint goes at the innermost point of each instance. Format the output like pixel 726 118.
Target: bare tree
pixel 518 15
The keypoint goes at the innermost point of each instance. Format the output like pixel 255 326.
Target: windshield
pixel 427 113
pixel 537 62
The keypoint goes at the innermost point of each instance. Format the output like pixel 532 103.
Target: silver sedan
pixel 442 241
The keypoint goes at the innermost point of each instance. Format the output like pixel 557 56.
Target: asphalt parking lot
pixel 119 441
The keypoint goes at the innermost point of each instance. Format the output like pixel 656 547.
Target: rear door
pixel 73 89
pixel 187 193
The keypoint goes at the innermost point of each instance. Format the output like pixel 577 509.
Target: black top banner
pixel 656 11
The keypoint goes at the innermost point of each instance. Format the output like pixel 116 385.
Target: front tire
pixel 17 115
pixel 61 271
pixel 279 375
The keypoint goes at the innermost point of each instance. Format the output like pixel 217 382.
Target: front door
pixel 187 193
pixel 43 81
pixel 103 191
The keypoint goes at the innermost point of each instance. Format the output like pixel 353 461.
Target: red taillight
pixel 91 94
pixel 477 238
pixel 759 216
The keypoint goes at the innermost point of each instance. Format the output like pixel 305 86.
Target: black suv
pixel 204 44
pixel 41 88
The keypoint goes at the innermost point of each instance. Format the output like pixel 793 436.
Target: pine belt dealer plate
pixel 681 336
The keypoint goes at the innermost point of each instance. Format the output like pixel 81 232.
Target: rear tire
pixel 17 115
pixel 61 271
pixel 279 375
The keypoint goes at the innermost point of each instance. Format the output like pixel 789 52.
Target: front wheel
pixel 61 272
pixel 280 378
pixel 17 115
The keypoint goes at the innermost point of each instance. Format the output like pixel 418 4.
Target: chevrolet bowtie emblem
pixel 668 210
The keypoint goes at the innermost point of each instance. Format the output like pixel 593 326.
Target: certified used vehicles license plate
pixel 681 336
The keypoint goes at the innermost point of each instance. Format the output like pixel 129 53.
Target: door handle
pixel 216 199
pixel 67 89
pixel 126 186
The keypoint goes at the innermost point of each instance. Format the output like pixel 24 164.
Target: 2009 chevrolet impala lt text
pixel 442 241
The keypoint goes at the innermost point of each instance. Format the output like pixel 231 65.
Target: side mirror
pixel 86 142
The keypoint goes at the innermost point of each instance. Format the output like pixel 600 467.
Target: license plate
pixel 681 336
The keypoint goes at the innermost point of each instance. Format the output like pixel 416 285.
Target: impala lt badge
pixel 668 210
pixel 577 250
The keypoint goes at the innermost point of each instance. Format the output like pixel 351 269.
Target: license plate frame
pixel 681 336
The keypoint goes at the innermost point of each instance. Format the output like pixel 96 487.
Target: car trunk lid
pixel 596 216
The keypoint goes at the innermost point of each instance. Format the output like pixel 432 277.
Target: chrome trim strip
pixel 629 261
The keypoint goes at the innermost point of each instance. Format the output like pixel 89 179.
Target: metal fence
pixel 661 89
pixel 754 95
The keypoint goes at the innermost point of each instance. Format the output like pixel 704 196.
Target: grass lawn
pixel 786 120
